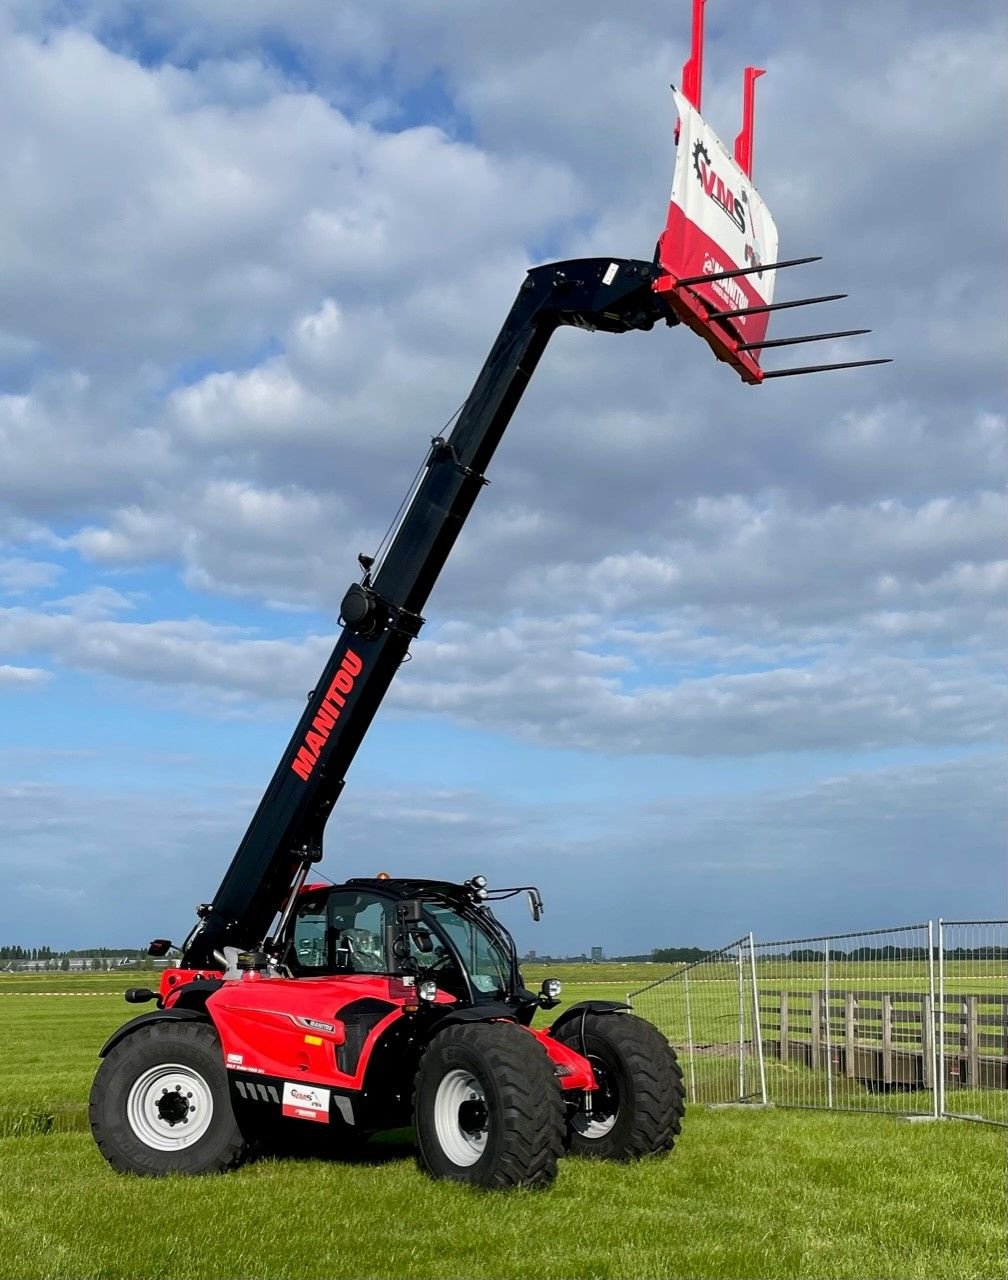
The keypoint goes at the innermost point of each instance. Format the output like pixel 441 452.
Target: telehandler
pixel 378 1003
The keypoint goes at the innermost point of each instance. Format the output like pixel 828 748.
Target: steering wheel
pixel 441 963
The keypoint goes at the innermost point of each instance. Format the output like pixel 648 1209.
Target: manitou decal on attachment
pixel 327 715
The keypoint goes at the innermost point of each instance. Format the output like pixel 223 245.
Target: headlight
pixel 551 988
pixel 427 990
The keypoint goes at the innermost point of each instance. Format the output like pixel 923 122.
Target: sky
pixel 707 658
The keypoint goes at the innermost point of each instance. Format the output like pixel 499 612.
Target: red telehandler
pixel 339 1010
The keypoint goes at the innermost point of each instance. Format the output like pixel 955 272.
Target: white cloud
pixel 18 574
pixel 14 677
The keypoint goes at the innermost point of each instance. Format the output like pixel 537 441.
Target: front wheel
pixel 488 1109
pixel 638 1107
pixel 160 1103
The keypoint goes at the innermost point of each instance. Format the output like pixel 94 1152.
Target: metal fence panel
pixel 972 1035
pixel 903 1021
pixel 848 1020
pixel 707 1010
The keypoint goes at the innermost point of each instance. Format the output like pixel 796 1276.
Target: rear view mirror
pixel 535 904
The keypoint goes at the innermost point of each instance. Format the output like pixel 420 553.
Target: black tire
pixel 488 1109
pixel 638 1108
pixel 150 1087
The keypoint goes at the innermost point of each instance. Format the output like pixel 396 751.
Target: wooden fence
pixel 887 1038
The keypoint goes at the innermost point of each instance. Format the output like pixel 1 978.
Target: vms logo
pixel 717 189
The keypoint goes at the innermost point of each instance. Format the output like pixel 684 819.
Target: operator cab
pixel 428 928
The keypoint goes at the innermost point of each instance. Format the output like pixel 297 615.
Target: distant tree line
pixel 48 958
pixel 678 955
pixel 49 953
pixel 818 954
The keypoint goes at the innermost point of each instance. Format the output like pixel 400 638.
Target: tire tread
pixel 657 1083
pixel 533 1114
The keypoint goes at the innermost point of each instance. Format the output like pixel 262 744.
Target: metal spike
pixel 774 306
pixel 822 368
pixel 791 342
pixel 746 271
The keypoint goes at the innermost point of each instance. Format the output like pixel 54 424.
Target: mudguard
pixel 474 1013
pixel 145 1019
pixel 589 1006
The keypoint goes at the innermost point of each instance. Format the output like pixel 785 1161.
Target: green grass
pixel 748 1193
pixel 753 1194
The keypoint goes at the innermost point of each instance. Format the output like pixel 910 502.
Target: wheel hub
pixel 174 1107
pixel 473 1117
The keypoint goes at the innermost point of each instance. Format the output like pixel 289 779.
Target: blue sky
pixel 707 658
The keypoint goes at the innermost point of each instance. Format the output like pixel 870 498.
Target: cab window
pixel 308 948
pixel 340 932
pixel 357 931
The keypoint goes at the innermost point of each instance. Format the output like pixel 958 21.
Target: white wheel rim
pixel 170 1107
pixel 461 1117
pixel 589 1127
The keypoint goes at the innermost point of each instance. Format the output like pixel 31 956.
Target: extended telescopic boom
pixel 382 615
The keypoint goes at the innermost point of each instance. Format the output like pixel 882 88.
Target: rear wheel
pixel 488 1109
pixel 638 1107
pixel 160 1103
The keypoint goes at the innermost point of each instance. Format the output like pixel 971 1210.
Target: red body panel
pixel 172 979
pixel 575 1072
pixel 290 1028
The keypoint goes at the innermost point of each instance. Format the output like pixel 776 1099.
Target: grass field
pixel 745 1193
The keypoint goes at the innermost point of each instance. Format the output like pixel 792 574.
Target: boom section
pixel 382 613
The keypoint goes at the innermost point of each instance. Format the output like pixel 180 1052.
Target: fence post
pixel 887 1046
pixel 829 1040
pixel 972 1042
pixel 927 1043
pixel 783 1026
pixel 741 1029
pixel 928 1026
pixel 689 1039
pixel 815 1020
pixel 941 1017
pixel 757 1025
pixel 851 1033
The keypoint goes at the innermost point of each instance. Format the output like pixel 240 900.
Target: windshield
pixel 488 964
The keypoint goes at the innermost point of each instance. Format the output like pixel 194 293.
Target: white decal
pixel 305 1102
pixel 720 206
pixel 610 274
pixel 315 1024
pixel 234 1059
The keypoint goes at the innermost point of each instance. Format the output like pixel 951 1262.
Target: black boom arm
pixel 382 613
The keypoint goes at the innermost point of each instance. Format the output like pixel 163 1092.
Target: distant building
pixel 530 955
pixel 596 954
